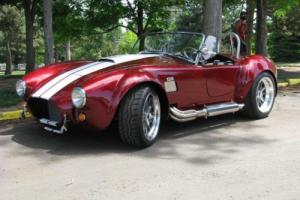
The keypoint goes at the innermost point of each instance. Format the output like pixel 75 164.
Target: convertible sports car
pixel 175 75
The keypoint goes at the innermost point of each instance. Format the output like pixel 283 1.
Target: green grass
pixel 294 81
pixel 9 98
pixel 15 73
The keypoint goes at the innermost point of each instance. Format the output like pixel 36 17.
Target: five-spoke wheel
pixel 139 117
pixel 260 99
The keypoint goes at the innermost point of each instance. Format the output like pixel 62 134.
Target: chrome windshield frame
pixel 176 32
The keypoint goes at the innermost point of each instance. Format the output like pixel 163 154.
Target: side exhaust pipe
pixel 208 111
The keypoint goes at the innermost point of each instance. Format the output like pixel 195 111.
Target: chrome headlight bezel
pixel 20 88
pixel 78 97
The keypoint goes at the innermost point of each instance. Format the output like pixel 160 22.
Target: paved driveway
pixel 225 157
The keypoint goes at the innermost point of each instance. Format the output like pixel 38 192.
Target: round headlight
pixel 21 88
pixel 78 97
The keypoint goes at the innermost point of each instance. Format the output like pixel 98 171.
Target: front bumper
pixel 55 127
pixel 49 115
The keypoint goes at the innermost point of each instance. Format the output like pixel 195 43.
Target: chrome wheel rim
pixel 265 94
pixel 151 117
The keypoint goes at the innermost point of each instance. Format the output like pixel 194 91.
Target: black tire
pixel 251 108
pixel 130 117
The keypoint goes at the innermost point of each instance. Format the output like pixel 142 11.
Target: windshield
pixel 183 45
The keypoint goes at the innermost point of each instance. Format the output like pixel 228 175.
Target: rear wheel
pixel 139 117
pixel 260 100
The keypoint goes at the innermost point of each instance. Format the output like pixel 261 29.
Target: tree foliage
pixel 284 41
pixel 11 28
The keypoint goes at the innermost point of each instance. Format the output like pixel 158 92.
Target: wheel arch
pixel 251 68
pixel 158 89
pixel 274 78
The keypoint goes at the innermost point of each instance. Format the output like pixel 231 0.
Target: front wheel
pixel 139 117
pixel 261 97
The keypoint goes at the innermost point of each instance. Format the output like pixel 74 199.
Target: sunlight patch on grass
pixel 15 73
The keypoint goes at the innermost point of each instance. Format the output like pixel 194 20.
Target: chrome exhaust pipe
pixel 208 111
pixel 223 108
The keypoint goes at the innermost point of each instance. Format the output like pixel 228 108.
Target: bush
pixel 284 48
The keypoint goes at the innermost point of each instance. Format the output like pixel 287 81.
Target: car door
pixel 220 81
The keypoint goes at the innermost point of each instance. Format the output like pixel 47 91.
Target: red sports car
pixel 174 75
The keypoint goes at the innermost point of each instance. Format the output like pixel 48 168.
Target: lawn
pixel 8 98
pixel 15 73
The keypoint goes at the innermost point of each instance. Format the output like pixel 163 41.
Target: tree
pixel 70 25
pixel 191 16
pixel 30 7
pixel 261 27
pixel 250 22
pixel 10 25
pixel 48 32
pixel 212 24
pixel 138 16
pixel 284 40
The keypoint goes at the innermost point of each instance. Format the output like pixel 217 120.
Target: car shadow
pixel 199 142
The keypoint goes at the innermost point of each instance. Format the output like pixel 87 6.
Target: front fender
pixel 130 81
pixel 105 95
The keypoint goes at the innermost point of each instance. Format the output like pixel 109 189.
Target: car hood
pixel 63 76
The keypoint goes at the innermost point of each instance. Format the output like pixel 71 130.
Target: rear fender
pixel 251 67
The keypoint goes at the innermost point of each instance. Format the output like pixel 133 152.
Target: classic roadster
pixel 181 76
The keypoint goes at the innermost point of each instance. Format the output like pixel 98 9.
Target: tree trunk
pixel 250 20
pixel 212 22
pixel 8 70
pixel 48 32
pixel 29 20
pixel 56 53
pixel 16 58
pixel 140 25
pixel 261 27
pixel 68 50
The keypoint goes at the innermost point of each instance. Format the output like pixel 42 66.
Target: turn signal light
pixel 81 117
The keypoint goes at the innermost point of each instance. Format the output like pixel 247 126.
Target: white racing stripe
pixel 59 78
pixel 63 80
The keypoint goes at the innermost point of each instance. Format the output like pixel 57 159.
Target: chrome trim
pixel 21 87
pixel 174 32
pixel 207 111
pixel 220 109
pixel 151 117
pixel 54 124
pixel 48 122
pixel 265 95
pixel 238 50
pixel 83 93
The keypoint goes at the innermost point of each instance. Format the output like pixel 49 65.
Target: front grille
pixel 41 108
pixel 38 107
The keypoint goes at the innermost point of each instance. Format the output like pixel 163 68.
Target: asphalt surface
pixel 226 157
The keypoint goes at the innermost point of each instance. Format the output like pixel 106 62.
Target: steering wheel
pixel 189 52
